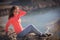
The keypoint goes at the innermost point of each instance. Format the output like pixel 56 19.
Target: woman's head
pixel 13 11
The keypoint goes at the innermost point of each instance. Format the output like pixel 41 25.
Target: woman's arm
pixel 21 13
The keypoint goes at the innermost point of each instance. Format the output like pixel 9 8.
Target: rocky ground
pixel 31 36
pixel 12 36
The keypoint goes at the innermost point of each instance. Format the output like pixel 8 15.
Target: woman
pixel 14 19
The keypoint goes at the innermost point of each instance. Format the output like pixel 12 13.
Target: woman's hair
pixel 11 12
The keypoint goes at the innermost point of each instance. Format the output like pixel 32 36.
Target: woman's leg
pixel 27 30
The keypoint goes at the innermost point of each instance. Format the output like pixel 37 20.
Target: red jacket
pixel 14 21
